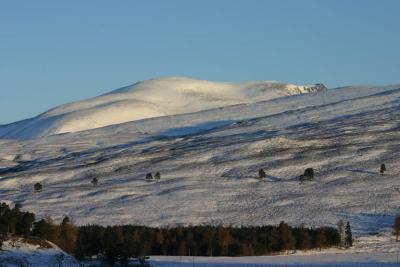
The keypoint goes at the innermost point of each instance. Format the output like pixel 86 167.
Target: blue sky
pixel 53 52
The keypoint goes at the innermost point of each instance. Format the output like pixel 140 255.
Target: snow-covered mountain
pixel 147 99
pixel 209 162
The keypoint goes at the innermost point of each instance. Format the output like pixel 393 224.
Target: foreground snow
pixel 371 251
pixel 332 260
pixel 17 252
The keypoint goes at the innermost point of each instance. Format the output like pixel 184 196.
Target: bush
pixel 149 176
pixel 383 169
pixel 309 172
pixel 262 174
pixel 38 187
pixel 94 181
pixel 308 175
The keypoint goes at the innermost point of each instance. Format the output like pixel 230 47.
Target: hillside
pixel 209 162
pixel 147 99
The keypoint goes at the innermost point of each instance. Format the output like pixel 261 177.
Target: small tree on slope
pixel 94 181
pixel 309 173
pixel 38 187
pixel 262 174
pixel 383 169
pixel 149 176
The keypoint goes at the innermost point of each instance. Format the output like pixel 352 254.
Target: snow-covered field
pixel 209 162
pixel 349 260
pixel 370 250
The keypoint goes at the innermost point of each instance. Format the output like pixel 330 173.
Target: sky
pixel 54 52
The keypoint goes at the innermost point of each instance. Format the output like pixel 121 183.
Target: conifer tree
pixel 286 240
pixel 44 229
pixel 397 227
pixel 341 232
pixel 68 235
pixel 66 220
pixel 319 239
pixel 26 223
pixel 349 236
pixel 304 239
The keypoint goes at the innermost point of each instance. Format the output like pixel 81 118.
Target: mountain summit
pixel 147 99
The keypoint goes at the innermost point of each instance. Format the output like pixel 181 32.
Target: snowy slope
pixel 209 162
pixel 20 252
pixel 152 98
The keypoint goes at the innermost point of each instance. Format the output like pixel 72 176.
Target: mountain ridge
pixel 148 99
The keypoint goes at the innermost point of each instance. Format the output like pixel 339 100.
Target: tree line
pixel 120 243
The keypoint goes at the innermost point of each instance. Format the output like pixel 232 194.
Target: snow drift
pixel 147 99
